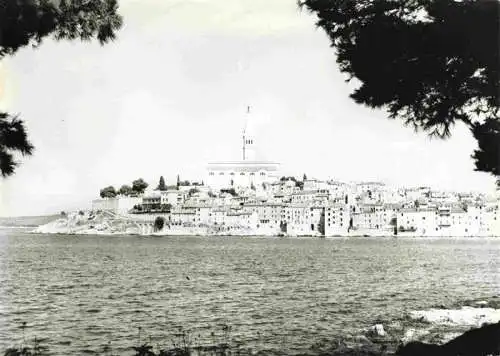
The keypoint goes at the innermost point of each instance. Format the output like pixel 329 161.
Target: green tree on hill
pixel 161 185
pixel 26 23
pixel 231 191
pixel 430 63
pixel 159 223
pixel 139 186
pixel 125 190
pixel 108 192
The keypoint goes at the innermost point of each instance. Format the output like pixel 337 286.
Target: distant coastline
pixel 26 221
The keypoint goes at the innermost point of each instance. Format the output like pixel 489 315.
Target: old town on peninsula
pixel 250 198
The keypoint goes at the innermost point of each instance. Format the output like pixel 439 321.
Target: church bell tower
pixel 248 140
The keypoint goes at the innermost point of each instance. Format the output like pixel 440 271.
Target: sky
pixel 170 94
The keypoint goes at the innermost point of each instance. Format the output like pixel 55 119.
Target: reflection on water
pixel 79 293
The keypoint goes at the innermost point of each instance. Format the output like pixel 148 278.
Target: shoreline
pixel 468 326
pixel 107 224
pixel 187 234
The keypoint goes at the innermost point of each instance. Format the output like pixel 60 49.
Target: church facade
pixel 248 172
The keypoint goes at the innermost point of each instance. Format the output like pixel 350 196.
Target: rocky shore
pixel 472 329
pixel 106 223
pixel 479 341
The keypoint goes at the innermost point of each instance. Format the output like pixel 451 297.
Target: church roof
pixel 243 166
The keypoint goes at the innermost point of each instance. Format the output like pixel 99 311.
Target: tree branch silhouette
pixel 430 63
pixel 26 23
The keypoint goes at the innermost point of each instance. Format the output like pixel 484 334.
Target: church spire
pixel 247 139
pixel 244 133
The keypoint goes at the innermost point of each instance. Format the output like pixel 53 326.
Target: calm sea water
pixel 79 293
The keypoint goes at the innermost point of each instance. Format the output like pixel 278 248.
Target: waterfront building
pixel 337 220
pixel 447 220
pixel 269 214
pixel 373 216
pixel 420 221
pixel 238 218
pixel 182 216
pixel 198 213
pixel 303 220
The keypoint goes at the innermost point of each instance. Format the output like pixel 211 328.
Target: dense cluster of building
pixel 317 208
pixel 251 196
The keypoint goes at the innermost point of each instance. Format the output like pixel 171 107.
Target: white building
pixel 248 172
pixel 222 175
pixel 118 204
pixel 304 219
pixel 337 220
pixel 374 216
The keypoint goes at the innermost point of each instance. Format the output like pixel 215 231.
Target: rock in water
pixel 417 348
pixel 482 341
pixel 413 335
pixel 476 342
pixel 377 330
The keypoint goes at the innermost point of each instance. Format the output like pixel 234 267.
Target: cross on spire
pixel 247 138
